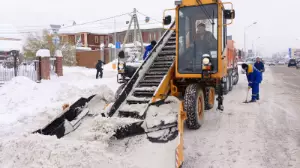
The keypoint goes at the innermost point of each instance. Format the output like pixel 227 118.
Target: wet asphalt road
pixel 289 75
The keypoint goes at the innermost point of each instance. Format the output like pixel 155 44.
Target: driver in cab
pixel 205 40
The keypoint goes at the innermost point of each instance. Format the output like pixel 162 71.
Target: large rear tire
pixel 230 78
pixel 236 78
pixel 209 98
pixel 194 106
pixel 226 86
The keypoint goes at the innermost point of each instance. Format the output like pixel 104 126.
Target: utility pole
pixel 137 32
pixel 55 38
pixel 115 38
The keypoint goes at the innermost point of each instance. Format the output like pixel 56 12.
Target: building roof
pixel 104 30
pixel 8 31
pixel 10 38
pixel 8 45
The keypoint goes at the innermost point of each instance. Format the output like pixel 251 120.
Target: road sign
pixel 55 40
pixel 118 45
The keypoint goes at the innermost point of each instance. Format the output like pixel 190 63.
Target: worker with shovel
pixel 254 77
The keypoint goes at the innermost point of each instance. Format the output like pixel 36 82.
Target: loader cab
pixel 201 38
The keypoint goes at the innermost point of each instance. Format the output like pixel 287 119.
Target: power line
pixel 84 23
pixel 112 17
pixel 149 16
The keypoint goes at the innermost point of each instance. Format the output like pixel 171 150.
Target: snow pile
pixel 48 152
pixel 134 108
pixel 166 113
pixel 153 88
pixel 108 66
pixel 43 53
pixel 8 45
pixel 134 64
pixel 99 128
pixel 27 106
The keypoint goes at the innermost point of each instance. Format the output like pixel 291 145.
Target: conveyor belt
pixel 147 85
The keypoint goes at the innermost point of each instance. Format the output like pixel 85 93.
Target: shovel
pixel 246 101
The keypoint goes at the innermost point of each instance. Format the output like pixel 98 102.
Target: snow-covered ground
pixel 263 134
pixel 26 105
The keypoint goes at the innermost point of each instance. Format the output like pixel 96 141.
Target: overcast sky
pixel 277 24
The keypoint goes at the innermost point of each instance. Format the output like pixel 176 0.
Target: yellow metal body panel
pixel 222 62
pixel 163 89
pixel 195 3
pixel 179 150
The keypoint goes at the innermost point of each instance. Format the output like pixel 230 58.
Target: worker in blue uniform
pixel 254 77
pixel 148 49
pixel 259 65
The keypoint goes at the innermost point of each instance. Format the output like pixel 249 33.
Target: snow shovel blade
pixel 129 130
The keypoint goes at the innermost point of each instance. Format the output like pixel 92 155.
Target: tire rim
pixel 211 96
pixel 200 111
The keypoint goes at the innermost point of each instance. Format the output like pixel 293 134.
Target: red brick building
pixel 93 39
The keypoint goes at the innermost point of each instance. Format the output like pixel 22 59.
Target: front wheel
pixel 194 106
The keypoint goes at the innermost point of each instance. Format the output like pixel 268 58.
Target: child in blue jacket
pixel 148 49
pixel 254 77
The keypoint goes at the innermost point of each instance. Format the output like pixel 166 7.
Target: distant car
pixel 281 63
pixel 292 62
pixel 271 63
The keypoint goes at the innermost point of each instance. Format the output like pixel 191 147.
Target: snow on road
pixel 264 134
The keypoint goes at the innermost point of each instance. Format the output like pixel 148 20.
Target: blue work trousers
pixel 255 91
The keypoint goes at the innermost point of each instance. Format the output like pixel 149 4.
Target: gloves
pixel 249 87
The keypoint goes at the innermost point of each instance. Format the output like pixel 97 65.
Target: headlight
pixel 205 61
pixel 121 66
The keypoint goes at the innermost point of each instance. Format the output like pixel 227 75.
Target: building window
pixel 96 39
pixel 102 39
pixel 78 40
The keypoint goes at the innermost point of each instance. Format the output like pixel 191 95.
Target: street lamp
pixel 245 34
pixel 255 54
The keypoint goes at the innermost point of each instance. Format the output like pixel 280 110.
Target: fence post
pixel 44 55
pixel 38 69
pixel 58 63
pixel 15 54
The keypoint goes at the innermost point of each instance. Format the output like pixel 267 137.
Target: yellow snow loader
pixel 179 79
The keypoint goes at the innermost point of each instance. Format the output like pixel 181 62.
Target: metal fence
pixel 10 69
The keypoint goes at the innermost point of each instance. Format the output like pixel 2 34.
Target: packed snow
pixel 43 53
pixel 166 113
pixel 27 105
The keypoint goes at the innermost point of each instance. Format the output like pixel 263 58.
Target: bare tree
pixel 36 41
pixel 69 54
